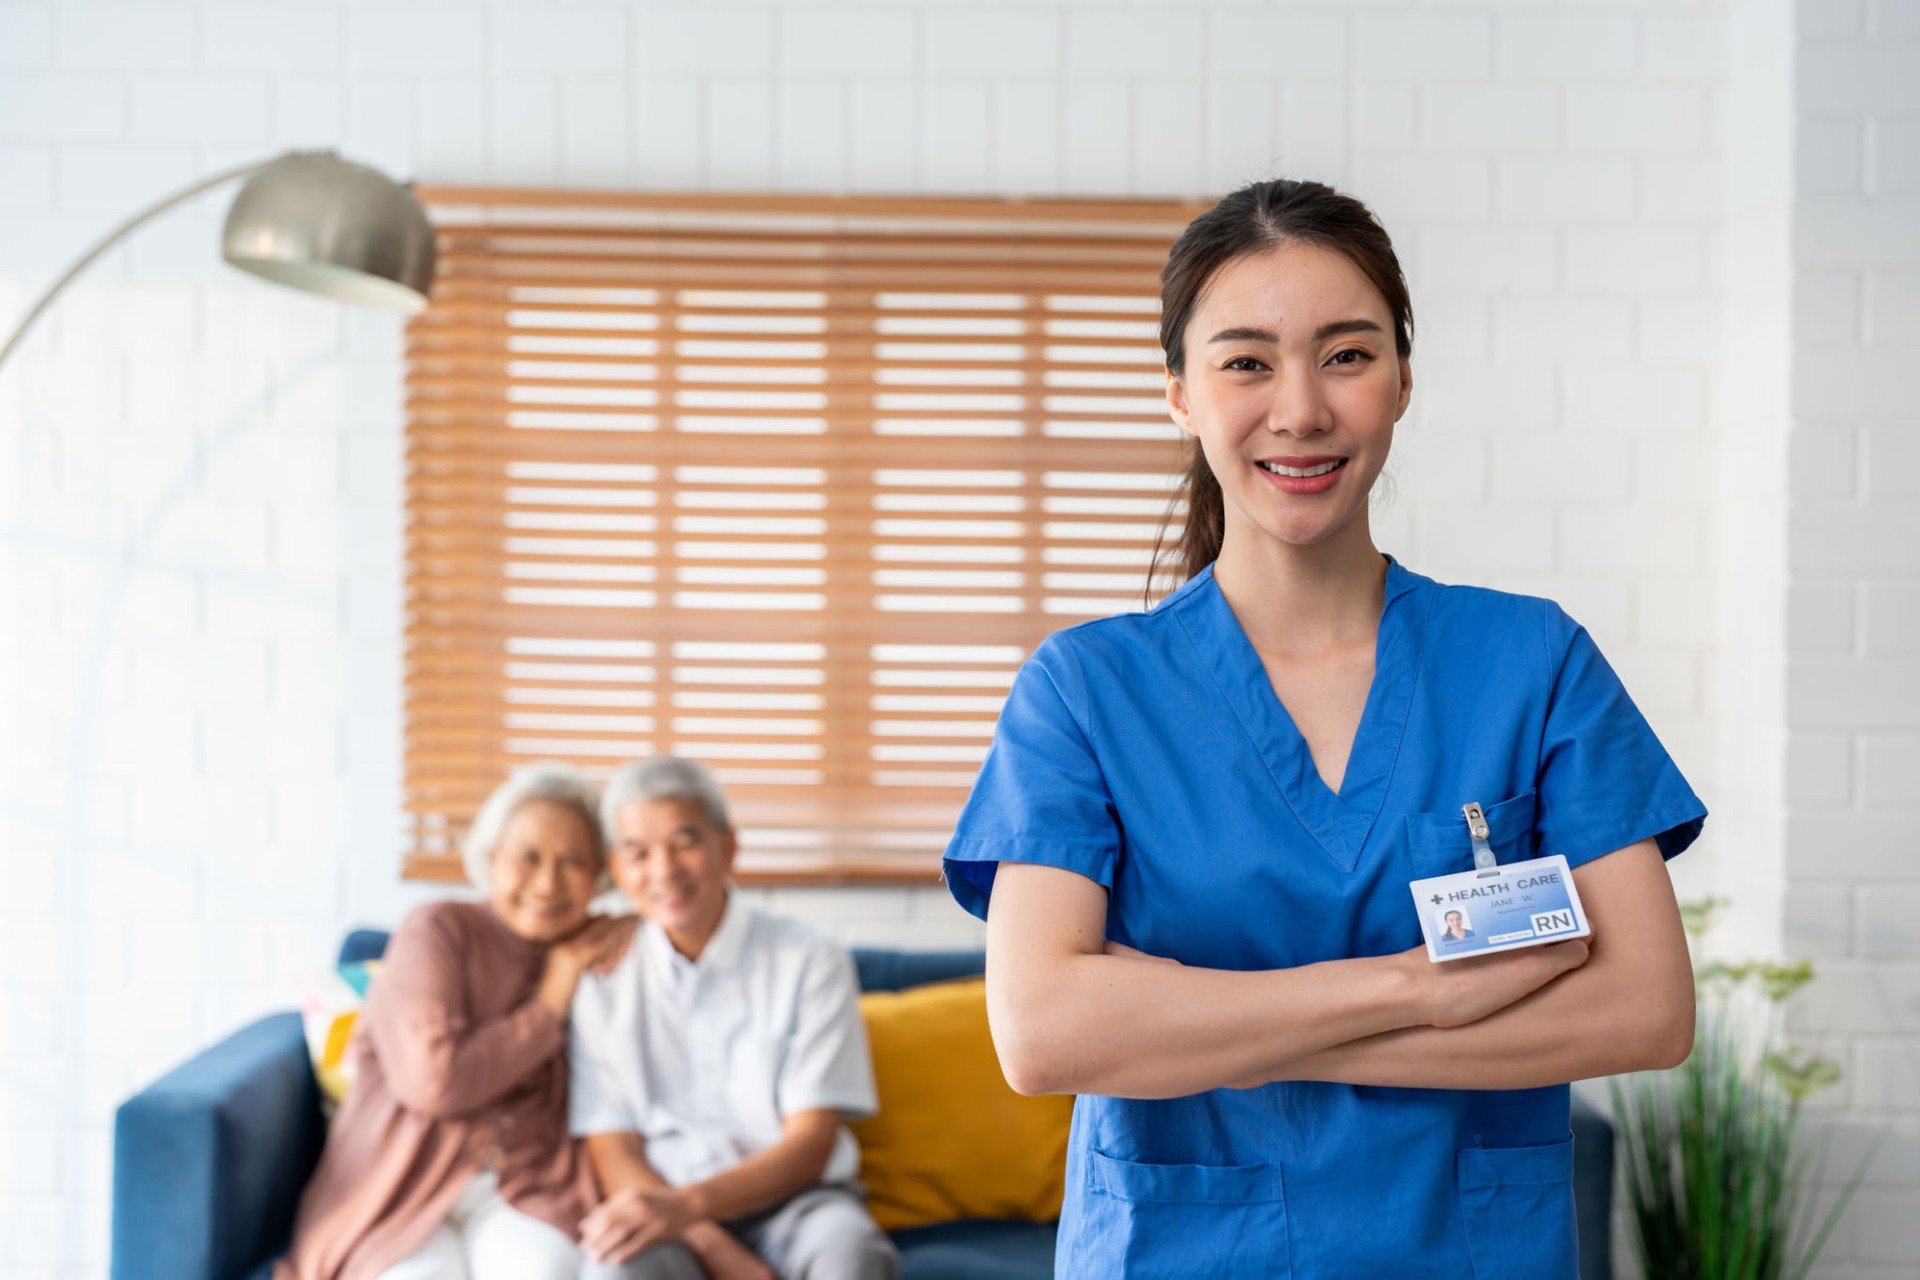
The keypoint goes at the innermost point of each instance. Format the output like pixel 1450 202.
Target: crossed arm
pixel 1069 1017
pixel 642 1210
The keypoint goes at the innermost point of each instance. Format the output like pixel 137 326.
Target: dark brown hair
pixel 1256 218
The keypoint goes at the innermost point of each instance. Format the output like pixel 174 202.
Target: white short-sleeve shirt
pixel 703 1057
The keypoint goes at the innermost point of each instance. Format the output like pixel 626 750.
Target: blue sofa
pixel 209 1159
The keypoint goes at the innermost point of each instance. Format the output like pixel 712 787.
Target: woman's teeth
pixel 1303 472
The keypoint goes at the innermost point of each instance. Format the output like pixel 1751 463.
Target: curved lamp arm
pixel 114 237
pixel 309 220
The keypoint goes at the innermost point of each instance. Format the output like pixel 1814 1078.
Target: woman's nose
pixel 1299 406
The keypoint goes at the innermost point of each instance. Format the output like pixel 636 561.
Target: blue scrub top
pixel 1148 752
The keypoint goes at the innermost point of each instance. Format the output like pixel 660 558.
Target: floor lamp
pixel 310 220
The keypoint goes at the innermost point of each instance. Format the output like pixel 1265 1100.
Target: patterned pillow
pixel 329 1007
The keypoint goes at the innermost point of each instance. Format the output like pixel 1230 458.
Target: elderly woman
pixel 451 1157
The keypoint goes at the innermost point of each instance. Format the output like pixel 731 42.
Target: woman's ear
pixel 1177 402
pixel 1406 387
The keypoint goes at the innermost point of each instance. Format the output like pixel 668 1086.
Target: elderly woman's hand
pixel 595 946
pixel 602 940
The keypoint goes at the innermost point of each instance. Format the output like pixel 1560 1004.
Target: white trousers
pixel 485 1238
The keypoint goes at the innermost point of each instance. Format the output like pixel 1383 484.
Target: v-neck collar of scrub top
pixel 1341 822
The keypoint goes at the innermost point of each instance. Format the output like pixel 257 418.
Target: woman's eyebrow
pixel 1245 335
pixel 1359 325
pixel 1325 331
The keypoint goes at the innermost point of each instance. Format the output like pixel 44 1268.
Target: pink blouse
pixel 459 1068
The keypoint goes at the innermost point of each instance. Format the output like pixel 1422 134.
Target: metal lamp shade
pixel 335 228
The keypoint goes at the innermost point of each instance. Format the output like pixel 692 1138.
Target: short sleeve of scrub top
pixel 1040 796
pixel 1605 781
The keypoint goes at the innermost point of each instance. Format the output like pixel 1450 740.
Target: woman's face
pixel 1292 387
pixel 543 871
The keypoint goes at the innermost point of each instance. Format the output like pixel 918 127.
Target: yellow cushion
pixel 951 1140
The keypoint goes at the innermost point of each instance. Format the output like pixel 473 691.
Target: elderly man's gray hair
pixel 665 778
pixel 549 782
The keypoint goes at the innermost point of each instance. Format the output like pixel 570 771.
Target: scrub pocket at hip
pixel 1517 1203
pixel 1171 1221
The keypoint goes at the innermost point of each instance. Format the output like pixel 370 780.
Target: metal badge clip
pixel 1483 858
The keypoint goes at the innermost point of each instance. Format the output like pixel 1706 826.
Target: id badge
pixel 1498 908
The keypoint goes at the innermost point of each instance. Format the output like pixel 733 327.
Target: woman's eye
pixel 1352 355
pixel 1243 364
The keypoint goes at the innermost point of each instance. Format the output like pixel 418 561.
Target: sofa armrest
pixel 209 1160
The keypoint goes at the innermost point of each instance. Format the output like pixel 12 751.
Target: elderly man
pixel 713 1067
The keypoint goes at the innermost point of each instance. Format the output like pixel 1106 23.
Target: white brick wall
pixel 1852 683
pixel 199 478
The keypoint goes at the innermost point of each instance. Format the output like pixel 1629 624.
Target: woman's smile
pixel 1302 475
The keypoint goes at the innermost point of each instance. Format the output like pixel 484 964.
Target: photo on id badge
pixel 1495 907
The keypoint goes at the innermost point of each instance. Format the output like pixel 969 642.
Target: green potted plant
pixel 1718 1179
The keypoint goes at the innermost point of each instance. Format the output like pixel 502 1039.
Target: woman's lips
pixel 1303 484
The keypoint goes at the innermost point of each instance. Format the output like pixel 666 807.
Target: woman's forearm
pixel 436 1058
pixel 1567 1031
pixel 448 1071
pixel 1629 1008
pixel 1067 1017
pixel 1594 1021
pixel 1136 1028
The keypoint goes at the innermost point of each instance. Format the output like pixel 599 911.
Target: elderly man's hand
pixel 725 1258
pixel 633 1220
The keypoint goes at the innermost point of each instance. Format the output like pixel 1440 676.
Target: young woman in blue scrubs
pixel 1192 838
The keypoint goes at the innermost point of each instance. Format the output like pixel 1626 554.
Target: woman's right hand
pixel 1463 991
pixel 595 946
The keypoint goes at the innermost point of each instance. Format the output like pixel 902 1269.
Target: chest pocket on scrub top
pixel 1440 845
pixel 1174 1221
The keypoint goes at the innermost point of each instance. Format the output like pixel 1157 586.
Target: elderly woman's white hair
pixel 548 782
pixel 665 778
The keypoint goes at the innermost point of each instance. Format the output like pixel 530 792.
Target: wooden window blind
pixel 790 484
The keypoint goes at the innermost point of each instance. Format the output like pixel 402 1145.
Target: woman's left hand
pixel 614 935
pixel 594 947
pixel 597 945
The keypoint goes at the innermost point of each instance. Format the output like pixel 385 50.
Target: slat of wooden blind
pixel 789 483
pixel 501 264
pixel 504 206
pixel 850 237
